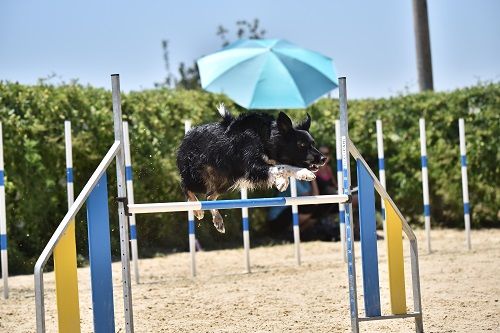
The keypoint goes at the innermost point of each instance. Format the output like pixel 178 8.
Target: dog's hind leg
pixel 191 197
pixel 216 217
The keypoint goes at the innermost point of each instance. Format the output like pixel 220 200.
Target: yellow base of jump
pixel 394 241
pixel 67 282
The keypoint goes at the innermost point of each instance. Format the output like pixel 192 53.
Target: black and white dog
pixel 252 150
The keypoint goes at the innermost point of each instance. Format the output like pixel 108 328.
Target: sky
pixel 371 42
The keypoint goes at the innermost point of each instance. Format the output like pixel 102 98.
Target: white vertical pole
pixel 191 225
pixel 465 182
pixel 381 165
pixel 130 197
pixel 346 173
pixel 122 193
pixel 69 162
pixel 295 216
pixel 425 184
pixel 246 232
pixel 340 182
pixel 3 224
pixel 192 242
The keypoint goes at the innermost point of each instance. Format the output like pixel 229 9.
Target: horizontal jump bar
pixel 236 203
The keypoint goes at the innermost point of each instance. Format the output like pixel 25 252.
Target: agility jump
pixel 95 195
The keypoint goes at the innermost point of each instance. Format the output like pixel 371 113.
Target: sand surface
pixel 460 291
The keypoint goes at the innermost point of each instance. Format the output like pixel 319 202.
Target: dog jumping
pixel 251 150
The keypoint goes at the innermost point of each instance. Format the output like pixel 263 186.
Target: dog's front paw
pixel 305 174
pixel 219 222
pixel 281 183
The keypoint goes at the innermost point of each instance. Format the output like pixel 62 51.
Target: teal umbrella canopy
pixel 268 74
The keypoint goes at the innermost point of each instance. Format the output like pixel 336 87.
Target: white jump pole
pixel 295 216
pixel 191 225
pixel 425 184
pixel 246 232
pixel 3 224
pixel 130 196
pixel 340 182
pixel 465 182
pixel 381 165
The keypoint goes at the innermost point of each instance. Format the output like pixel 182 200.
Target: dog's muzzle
pixel 315 166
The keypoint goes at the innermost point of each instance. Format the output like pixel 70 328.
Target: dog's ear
pixel 284 123
pixel 304 125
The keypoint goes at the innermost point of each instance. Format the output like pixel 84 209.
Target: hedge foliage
pixel 33 126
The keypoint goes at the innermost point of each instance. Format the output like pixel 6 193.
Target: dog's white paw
pixel 281 183
pixel 199 214
pixel 305 174
pixel 218 222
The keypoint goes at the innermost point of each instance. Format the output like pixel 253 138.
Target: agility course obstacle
pixel 338 150
pixel 381 165
pixel 95 195
pixel 465 183
pixel 3 224
pixel 130 197
pixel 425 183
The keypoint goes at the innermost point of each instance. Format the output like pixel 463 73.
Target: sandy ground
pixel 460 291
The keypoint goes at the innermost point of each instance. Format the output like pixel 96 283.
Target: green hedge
pixel 33 117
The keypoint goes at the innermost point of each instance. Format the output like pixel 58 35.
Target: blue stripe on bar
pixel 133 232
pixel 3 242
pixel 100 258
pixel 427 210
pixel 2 183
pixel 339 165
pixel 191 227
pixel 463 160
pixel 245 224
pixel 295 218
pixel 69 175
pixel 466 208
pixel 381 164
pixel 368 234
pixel 424 161
pixel 383 213
pixel 128 173
pixel 342 216
pixel 242 203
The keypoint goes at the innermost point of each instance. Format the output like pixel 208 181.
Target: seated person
pixel 325 177
pixel 327 184
pixel 280 218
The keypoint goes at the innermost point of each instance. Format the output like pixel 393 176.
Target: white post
pixel 3 224
pixel 246 232
pixel 381 165
pixel 130 197
pixel 425 184
pixel 192 242
pixel 69 162
pixel 191 225
pixel 340 181
pixel 465 182
pixel 295 216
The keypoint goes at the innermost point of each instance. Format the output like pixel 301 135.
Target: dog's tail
pixel 227 117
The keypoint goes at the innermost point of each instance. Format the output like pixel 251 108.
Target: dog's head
pixel 295 145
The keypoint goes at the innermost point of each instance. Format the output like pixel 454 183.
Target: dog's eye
pixel 302 144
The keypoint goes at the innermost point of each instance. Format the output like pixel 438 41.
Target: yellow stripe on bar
pixel 394 241
pixel 67 282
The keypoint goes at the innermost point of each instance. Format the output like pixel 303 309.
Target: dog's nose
pixel 323 159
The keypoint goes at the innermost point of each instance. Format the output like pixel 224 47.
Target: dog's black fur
pixel 250 150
